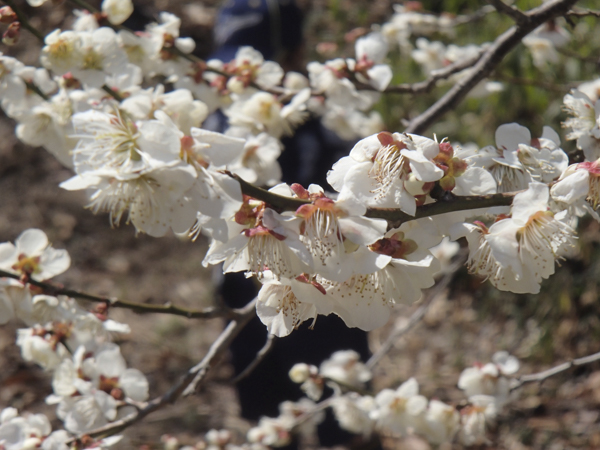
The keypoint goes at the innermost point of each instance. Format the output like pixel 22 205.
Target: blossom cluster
pixel 398 411
pixel 145 153
pixel 91 383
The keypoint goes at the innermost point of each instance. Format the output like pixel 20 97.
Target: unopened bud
pixel 11 36
pixel 70 82
pixel 235 85
pixel 117 393
pixel 7 15
pixel 299 373
pixel 170 442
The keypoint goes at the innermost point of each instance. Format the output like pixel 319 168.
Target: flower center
pixel 27 264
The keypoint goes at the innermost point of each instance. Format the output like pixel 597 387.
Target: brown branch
pixel 512 11
pixel 541 376
pixel 35 89
pixel 276 201
pixel 53 289
pixel 417 315
pixel 186 385
pixel 428 84
pixel 260 356
pixel 395 217
pixel 583 13
pixel 572 54
pixel 561 89
pixel 488 62
pixel 477 15
pixel 451 203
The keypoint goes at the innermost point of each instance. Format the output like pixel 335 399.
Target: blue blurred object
pixel 270 26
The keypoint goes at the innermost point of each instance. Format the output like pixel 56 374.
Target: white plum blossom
pixel 270 432
pixel 544 40
pixel 280 310
pixel 249 67
pixel 258 162
pixel 333 229
pixel 430 55
pixel 262 239
pixel 441 422
pixel 584 123
pixel 502 160
pixel 345 367
pixel 263 112
pixel 461 178
pixel 383 169
pixel 518 159
pixel 27 432
pixel 62 51
pixel 178 104
pixel 117 11
pixel 49 125
pixel 484 380
pixel 474 419
pixel 98 54
pixel 85 412
pixel 308 377
pixel 399 410
pixel 41 347
pixel 353 412
pixel 579 188
pixel 516 253
pixel 32 255
pixel 371 50
pixel 155 199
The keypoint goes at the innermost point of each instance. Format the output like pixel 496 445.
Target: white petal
pixel 32 242
pixel 510 135
pixel 134 384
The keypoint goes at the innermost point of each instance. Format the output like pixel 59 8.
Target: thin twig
pixel 187 384
pixel 477 15
pixel 541 376
pixel 512 11
pixel 53 289
pixel 114 94
pixel 583 13
pixel 35 89
pixel 488 62
pixel 417 315
pixel 260 356
pixel 428 84
pixel 572 54
pixel 535 83
pixel 321 406
pixel 24 20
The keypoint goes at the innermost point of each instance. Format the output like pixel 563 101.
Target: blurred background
pixel 466 323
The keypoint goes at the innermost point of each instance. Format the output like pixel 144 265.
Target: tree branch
pixel 541 376
pixel 395 217
pixel 451 203
pixel 583 13
pixel 186 385
pixel 53 289
pixel 512 11
pixel 435 76
pixel 489 61
pixel 561 89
